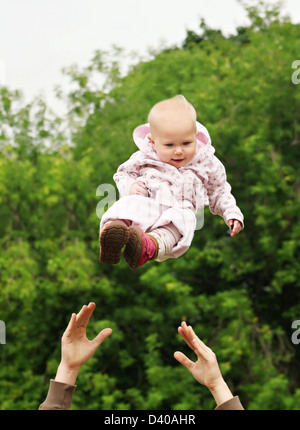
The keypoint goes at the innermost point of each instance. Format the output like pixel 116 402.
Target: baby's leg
pixel 167 237
pixel 142 247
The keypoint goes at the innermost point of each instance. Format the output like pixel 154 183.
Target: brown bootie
pixel 112 239
pixel 140 248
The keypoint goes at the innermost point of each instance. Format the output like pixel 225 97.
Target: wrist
pixel 66 374
pixel 221 392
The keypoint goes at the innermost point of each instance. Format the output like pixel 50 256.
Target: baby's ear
pixel 151 140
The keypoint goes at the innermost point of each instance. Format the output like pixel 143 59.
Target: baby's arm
pixel 221 201
pixel 128 174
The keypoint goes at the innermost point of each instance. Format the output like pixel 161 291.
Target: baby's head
pixel 173 131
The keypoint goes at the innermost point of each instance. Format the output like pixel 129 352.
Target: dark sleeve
pixel 233 404
pixel 59 396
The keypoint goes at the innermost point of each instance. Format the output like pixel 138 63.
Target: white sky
pixel 40 37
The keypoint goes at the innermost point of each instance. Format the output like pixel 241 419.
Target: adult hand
pixel 206 369
pixel 76 348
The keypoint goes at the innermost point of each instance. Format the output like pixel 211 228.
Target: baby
pixel 172 176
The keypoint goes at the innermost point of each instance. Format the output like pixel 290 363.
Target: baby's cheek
pixel 164 157
pixel 191 154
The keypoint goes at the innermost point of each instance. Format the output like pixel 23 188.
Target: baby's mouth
pixel 179 160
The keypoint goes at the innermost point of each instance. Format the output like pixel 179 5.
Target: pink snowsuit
pixel 175 195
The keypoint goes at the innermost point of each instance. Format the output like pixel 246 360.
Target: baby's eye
pixel 169 145
pixel 186 143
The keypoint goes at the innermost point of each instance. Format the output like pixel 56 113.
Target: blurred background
pixel 75 79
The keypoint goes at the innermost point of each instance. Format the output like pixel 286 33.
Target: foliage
pixel 241 295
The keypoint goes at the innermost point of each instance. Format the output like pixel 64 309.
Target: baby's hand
pixel 235 226
pixel 139 188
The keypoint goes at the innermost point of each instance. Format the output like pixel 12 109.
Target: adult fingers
pixel 184 337
pixel 189 332
pixel 84 315
pixel 71 325
pixel 101 336
pixel 198 345
pixel 182 359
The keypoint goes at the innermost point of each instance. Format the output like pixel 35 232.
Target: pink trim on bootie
pixel 148 250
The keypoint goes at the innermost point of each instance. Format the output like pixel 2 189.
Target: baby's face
pixel 175 142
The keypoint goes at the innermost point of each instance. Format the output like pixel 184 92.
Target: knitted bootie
pixel 112 239
pixel 140 248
